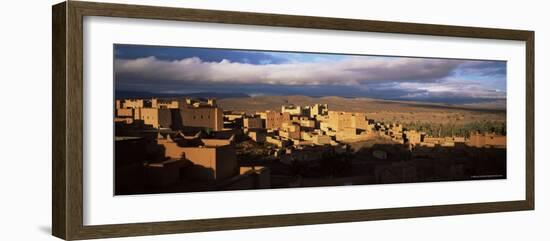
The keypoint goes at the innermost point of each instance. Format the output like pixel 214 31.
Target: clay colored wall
pixel 208 117
pixel 274 120
pixel 222 160
pixel 125 112
pixel 253 122
pixel 479 140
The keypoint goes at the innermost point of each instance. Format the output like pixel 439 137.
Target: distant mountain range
pixel 143 94
pixel 377 109
pixel 258 103
pixel 241 101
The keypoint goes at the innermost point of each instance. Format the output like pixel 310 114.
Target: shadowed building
pixel 161 174
pixel 154 117
pixel 278 141
pixel 274 119
pixel 214 159
pixel 257 177
pixel 214 162
pixel 233 120
pixel 253 122
pixel 316 137
pixel 257 135
pixel 131 153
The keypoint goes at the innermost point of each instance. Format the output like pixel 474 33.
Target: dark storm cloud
pixel 206 54
pixel 483 68
pixel 191 70
pixel 351 71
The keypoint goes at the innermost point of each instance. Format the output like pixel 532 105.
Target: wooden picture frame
pixel 67 76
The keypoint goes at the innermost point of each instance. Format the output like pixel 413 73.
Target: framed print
pixel 171 120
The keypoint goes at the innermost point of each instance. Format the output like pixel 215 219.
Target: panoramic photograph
pixel 189 119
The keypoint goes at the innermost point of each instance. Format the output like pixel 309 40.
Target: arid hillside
pixel 380 110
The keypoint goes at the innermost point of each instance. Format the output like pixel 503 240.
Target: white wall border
pixel 101 207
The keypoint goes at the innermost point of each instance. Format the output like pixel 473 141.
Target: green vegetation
pixel 453 129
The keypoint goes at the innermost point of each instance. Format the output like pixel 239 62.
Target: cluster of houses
pixel 167 141
pixel 417 138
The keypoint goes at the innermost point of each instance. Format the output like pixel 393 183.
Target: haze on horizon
pixel 184 70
